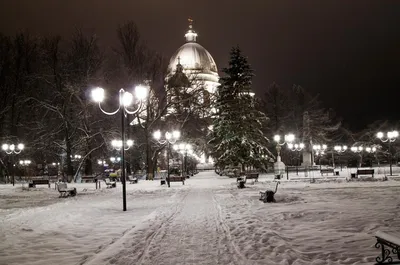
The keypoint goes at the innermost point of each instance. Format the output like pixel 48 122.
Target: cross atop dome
pixel 190 35
pixel 190 22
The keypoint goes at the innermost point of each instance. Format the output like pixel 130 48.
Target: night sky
pixel 347 51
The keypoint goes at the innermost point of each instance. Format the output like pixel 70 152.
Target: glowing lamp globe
pixel 289 137
pixel 157 135
pixel 127 99
pixel 176 134
pixel 98 94
pixel 141 92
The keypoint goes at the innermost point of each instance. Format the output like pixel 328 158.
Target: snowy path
pixel 190 231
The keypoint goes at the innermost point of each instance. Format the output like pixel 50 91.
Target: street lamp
pixel 13 150
pixel 390 138
pixel 170 138
pixel 125 100
pixel 296 148
pixel 320 151
pixel 361 149
pixel 340 149
pixel 184 149
pixel 113 159
pixel 289 138
pixel 24 162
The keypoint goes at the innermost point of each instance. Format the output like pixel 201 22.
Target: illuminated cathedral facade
pixel 192 79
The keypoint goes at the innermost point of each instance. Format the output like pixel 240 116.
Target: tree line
pixel 45 84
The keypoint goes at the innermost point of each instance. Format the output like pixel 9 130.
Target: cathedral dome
pixel 195 59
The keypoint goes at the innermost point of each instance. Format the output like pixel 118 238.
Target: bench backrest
pixel 251 175
pixel 62 186
pixel 40 181
pixel 395 239
pixel 175 178
pixel 327 170
pixel 365 171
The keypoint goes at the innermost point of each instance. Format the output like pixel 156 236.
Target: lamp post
pixel 320 151
pixel 13 150
pixel 295 148
pixel 170 138
pixel 289 138
pixel 184 149
pixel 340 149
pixel 25 163
pixel 390 138
pixel 125 100
pixel 361 149
pixel 279 166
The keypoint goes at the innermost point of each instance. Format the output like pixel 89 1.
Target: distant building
pixel 192 68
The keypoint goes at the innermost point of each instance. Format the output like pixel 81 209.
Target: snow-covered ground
pixel 206 221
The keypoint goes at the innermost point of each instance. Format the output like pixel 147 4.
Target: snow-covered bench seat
pixel 389 244
pixel 133 179
pixel 110 184
pixel 65 191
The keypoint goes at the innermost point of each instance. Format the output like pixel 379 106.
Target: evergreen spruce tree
pixel 237 127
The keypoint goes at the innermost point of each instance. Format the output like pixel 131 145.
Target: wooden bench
pixel 65 191
pixel 110 184
pixel 389 244
pixel 175 179
pixel 365 172
pixel 252 176
pixel 248 176
pixel 269 194
pixel 88 179
pixel 327 170
pixel 39 182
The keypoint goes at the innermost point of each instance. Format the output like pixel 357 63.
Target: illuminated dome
pixel 196 60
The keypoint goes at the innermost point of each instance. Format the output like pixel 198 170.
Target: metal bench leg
pixel 385 254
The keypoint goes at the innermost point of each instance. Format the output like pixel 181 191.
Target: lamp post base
pixel 279 168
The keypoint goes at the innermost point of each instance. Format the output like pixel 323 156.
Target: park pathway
pixel 190 231
pixel 195 234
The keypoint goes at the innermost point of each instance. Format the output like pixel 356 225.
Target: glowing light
pixel 141 92
pixel 157 135
pixel 379 135
pixel 98 94
pixel 277 138
pixel 5 147
pixel 129 143
pixel 289 138
pixel 127 99
pixel 176 134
